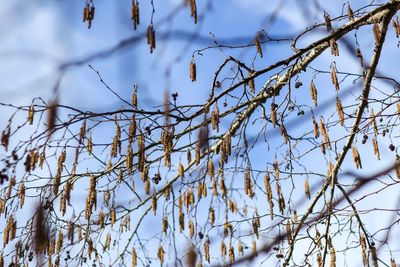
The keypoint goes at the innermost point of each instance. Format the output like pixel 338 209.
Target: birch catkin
pixel 313 92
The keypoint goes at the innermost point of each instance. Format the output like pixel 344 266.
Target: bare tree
pixel 280 165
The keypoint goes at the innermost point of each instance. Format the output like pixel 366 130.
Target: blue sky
pixel 39 36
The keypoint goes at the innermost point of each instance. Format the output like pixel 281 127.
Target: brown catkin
pixel 283 132
pixel 240 248
pixel 31 114
pixel 129 159
pixel 231 254
pixel 181 169
pixel 251 82
pixel 307 188
pixel 313 92
pixel 193 10
pixel 85 13
pixel 254 247
pixel 188 156
pixel 60 240
pixel 82 132
pixel 215 118
pixel 34 158
pixel 42 159
pixel 281 200
pixel 227 227
pixel 197 153
pixel 135 96
pixel 374 256
pixel 141 153
pixel 319 260
pixel 89 247
pixel 393 263
pixel 51 248
pixel 91 201
pixel 116 144
pixel 107 242
pixel 373 120
pixel 376 148
pixel 132 130
pixel 199 190
pixel 295 218
pixel 232 206
pixel 2 205
pixel 57 177
pixel 57 261
pixel 135 14
pixel 164 225
pixel 11 184
pixel 106 197
pixel 364 250
pixel 288 229
pixel 88 14
pixel 339 110
pixel 192 71
pixel 6 234
pixel 134 257
pixel 223 249
pixel 101 218
pixel 147 186
pixel 276 169
pixel 151 38
pixel 328 22
pixel 396 168
pixel 268 190
pixel 145 173
pixel 356 157
pixel 191 228
pixel 315 127
pixel 13 229
pixel 154 203
pixel 207 250
pixel 191 257
pixel 333 257
pixel 210 168
pixel 80 235
pixel 350 13
pixel 377 31
pixel 181 221
pixel 360 57
pixel 324 132
pixel 396 25
pixel 109 165
pixel 113 216
pixel 258 46
pixel 256 226
pixel 211 216
pixel 274 115
pixel 160 254
pixel 334 78
pixel 318 239
pixel 21 194
pixel 89 145
pixel 334 47
pixel 222 186
pixel 248 183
